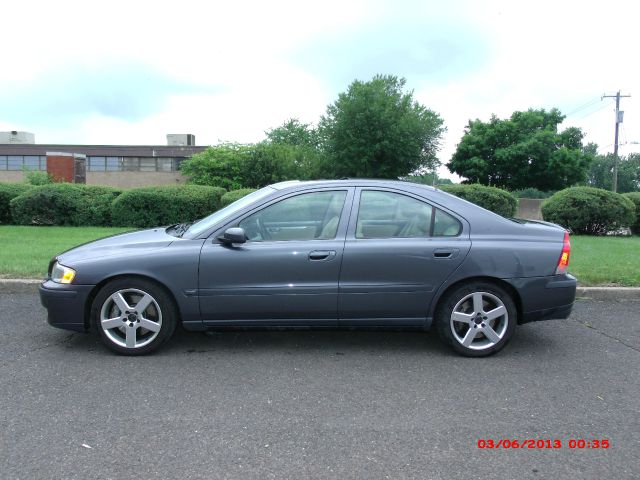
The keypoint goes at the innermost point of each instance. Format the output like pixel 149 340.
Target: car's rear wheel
pixel 133 316
pixel 477 319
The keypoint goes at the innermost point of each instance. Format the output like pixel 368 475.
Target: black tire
pixel 483 336
pixel 115 327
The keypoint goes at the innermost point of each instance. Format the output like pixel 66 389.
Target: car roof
pixel 350 182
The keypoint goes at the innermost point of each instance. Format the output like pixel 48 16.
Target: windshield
pixel 206 223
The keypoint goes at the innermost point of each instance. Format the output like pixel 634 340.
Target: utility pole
pixel 619 117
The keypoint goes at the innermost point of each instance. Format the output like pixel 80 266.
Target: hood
pixel 133 243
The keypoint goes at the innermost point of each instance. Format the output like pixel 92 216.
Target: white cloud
pixel 247 55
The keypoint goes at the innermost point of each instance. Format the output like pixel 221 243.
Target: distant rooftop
pixel 22 143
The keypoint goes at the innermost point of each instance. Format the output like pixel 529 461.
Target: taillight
pixel 563 262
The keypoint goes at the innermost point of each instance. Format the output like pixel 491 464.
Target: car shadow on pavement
pixel 332 342
pixel 335 342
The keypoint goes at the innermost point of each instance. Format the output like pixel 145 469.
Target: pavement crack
pixel 591 327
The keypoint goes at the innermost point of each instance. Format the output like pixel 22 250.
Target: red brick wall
pixel 60 168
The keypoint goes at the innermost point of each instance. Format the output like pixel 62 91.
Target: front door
pixel 287 271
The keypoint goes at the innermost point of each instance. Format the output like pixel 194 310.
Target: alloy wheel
pixel 131 318
pixel 479 321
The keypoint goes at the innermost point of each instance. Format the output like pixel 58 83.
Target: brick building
pixel 124 166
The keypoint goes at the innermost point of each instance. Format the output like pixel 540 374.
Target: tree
pixel 376 129
pixel 217 166
pixel 523 151
pixel 428 178
pixel 600 173
pixel 300 140
pixel 233 165
pixel 293 132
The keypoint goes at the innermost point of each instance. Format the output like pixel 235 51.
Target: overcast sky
pixel 129 72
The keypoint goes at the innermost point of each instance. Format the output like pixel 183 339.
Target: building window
pixel 131 164
pixel 114 164
pixel 31 162
pixel 15 162
pixel 165 164
pixel 95 164
pixel 104 164
pixel 148 165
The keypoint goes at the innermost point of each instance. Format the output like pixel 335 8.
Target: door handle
pixel 318 255
pixel 445 252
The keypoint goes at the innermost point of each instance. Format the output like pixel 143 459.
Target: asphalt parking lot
pixel 315 404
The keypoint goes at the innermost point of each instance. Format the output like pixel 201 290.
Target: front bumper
pixel 65 304
pixel 545 298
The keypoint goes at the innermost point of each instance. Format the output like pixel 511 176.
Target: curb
pixel 28 285
pixel 19 285
pixel 607 293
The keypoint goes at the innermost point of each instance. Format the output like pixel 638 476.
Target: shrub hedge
pixel 532 193
pixel 230 197
pixel 9 191
pixel 64 204
pixel 495 199
pixel 635 198
pixel 589 211
pixel 155 206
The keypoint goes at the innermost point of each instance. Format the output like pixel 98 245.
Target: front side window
pixel 310 216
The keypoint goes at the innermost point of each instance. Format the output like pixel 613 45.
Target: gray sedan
pixel 321 254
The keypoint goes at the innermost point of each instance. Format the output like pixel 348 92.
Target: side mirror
pixel 233 235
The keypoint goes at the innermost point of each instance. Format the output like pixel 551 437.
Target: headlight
pixel 62 274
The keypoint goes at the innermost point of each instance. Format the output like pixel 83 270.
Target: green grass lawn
pixel 612 261
pixel 25 253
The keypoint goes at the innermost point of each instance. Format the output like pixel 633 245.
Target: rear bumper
pixel 545 298
pixel 556 313
pixel 65 304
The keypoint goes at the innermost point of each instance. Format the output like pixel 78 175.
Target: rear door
pixel 399 249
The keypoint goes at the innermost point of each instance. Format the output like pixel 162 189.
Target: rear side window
pixel 393 215
pixel 389 215
pixel 444 225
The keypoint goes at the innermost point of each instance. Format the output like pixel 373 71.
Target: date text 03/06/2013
pixel 530 443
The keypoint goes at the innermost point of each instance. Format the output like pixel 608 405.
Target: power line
pixel 582 107
pixel 594 111
pixel 619 117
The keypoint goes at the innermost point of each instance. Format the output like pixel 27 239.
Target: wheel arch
pixel 94 292
pixel 511 290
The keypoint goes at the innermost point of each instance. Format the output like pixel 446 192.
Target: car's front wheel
pixel 133 316
pixel 477 319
